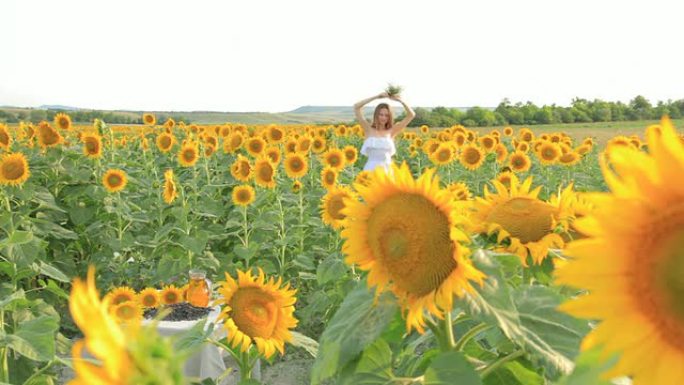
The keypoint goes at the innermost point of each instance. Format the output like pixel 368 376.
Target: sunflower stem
pixel 302 233
pixel 470 334
pixel 496 364
pixel 449 329
pixel 282 234
pixel 4 368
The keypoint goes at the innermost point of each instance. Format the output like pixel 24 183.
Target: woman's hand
pixel 395 97
pixel 383 95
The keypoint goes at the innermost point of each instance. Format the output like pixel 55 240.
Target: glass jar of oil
pixel 198 289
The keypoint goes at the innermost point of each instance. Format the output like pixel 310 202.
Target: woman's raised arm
pixel 359 113
pixel 410 114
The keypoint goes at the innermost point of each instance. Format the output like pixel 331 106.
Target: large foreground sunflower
pixel 257 311
pixel 517 216
pixel 632 261
pixel 14 169
pixel 404 233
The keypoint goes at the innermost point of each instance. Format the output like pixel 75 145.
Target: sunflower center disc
pixel 335 207
pixel 254 312
pixel 524 218
pixel 13 169
pixel 410 237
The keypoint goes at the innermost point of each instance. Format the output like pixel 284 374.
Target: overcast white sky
pixel 273 56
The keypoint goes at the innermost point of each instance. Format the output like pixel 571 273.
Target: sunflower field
pixel 503 257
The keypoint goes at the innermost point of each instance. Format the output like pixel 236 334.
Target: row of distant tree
pixel 581 111
pixel 80 116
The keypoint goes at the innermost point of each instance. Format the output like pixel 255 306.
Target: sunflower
pixel 350 154
pixel 583 149
pixel 404 231
pixel 264 173
pixel 48 136
pixel 430 146
pixel 334 158
pixel 548 153
pixel 525 135
pixel 275 134
pixel 170 123
pixel 92 145
pixel 501 153
pixel 243 195
pixel 519 162
pixel 363 178
pixel 459 191
pixel 127 312
pixel 63 121
pixel 518 216
pixel 5 137
pixel 241 169
pixel 328 177
pixel 114 180
pixel 318 145
pixel 460 139
pixel 303 144
pixel 443 155
pixel 233 142
pixel 188 154
pixel 171 295
pixel 120 295
pixel 523 147
pixel 255 146
pixel 508 131
pixel 165 141
pixel 14 169
pixel 290 146
pixel 505 178
pixel 332 205
pixel 296 186
pixel 149 119
pixel 149 298
pixel 424 129
pixel 273 154
pixel 569 159
pixel 471 157
pixel 631 262
pixel 259 311
pixel 296 165
pixel 487 143
pixel 170 190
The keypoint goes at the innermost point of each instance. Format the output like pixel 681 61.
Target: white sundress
pixel 379 150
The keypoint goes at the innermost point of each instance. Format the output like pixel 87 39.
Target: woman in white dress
pixel 379 144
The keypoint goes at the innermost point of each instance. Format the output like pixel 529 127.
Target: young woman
pixel 379 144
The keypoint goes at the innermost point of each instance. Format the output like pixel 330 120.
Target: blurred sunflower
pixel 303 144
pixel 127 312
pixel 188 154
pixel 505 178
pixel 5 137
pixel 255 146
pixel 92 145
pixel 14 169
pixel 63 121
pixel 350 154
pixel 471 157
pixel 443 155
pixel 332 205
pixel 296 165
pixel 273 154
pixel 170 123
pixel 296 186
pixel 165 141
pixel 519 162
pixel 48 136
pixel 170 190
pixel 241 169
pixel 318 145
pixel 404 232
pixel 264 173
pixel 363 178
pixel 334 158
pixel 508 131
pixel 119 295
pixel 548 153
pixel 569 159
pixel 233 142
pixel 275 134
pixel 501 153
pixel 328 177
pixel 525 134
pixel 170 295
pixel 257 311
pixel 487 143
pixel 243 195
pixel 114 180
pixel 519 217
pixel 149 119
pixel 459 191
pixel 631 262
pixel 149 298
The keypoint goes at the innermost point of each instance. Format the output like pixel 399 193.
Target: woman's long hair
pixel 376 114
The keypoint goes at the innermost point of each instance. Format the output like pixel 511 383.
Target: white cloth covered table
pixel 208 361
